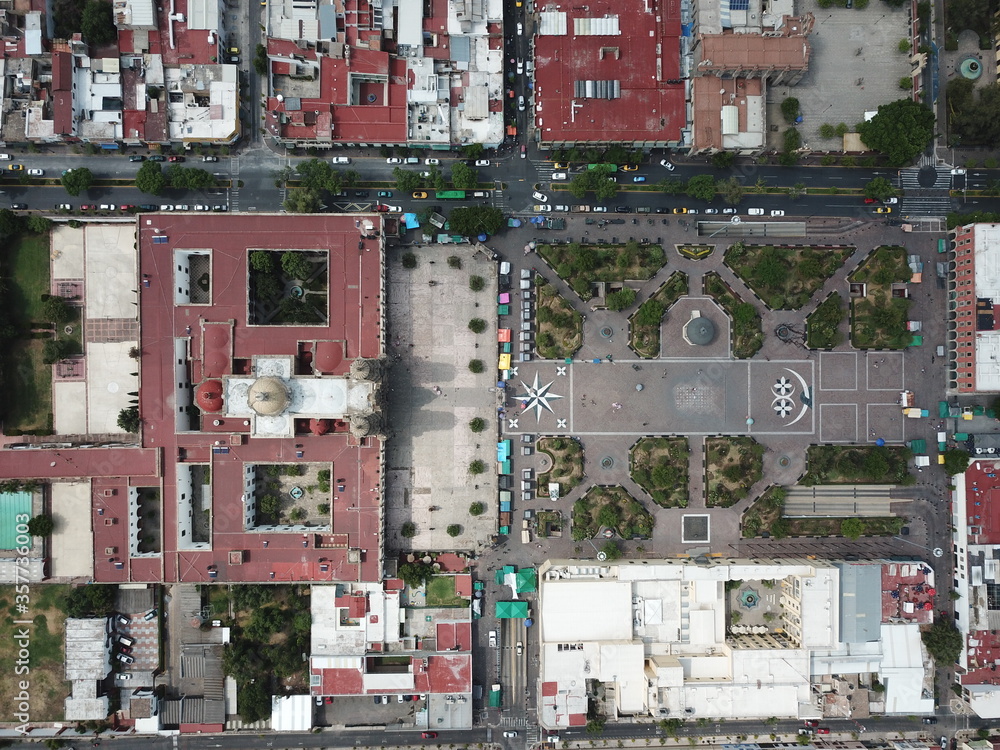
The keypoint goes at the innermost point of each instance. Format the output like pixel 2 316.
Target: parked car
pixel 125 207
pixel 680 210
pixel 755 211
pixel 623 210
pixel 823 730
pixel 630 168
pixel 393 160
pixel 482 162
pixel 151 614
pixel 210 158
pixel 19 206
pixel 361 193
pixel 125 649
pixel 399 698
pixel 384 194
pixel 36 172
pixel 729 210
pixel 167 207
pixel 638 178
pixel 425 174
pixel 559 176
pixel 777 212
pixel 63 207
pixel 560 208
pixel 540 197
pixel 542 207
pixel 883 210
pixel 147 207
pixel 665 163
pixel 891 200
pixel 220 208
pixel 342 160
pixel 15 167
pixel 711 210
pixel 420 194
pixel 600 209
pixel 520 67
pixel 432 162
pixel 108 207
pixel 930 720
pixel 812 722
pixel 87 207
pixel 157 157
pixel 125 658
pixel 520 29
pixel 520 104
pixel 126 641
pixel 428 735
pixel 175 158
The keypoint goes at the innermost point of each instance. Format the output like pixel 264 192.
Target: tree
pixel 76 180
pixel 93 600
pixel 956 461
pixel 453 530
pixel 10 222
pixel 473 220
pixel 97 24
pixel 39 224
pixel 463 176
pixel 650 313
pixel 128 419
pixel 790 109
pixel 150 178
pixel 723 159
pixel 732 190
pixel 477 424
pixel 477 325
pixel 900 130
pixel 476 366
pixel 41 525
pixel 943 641
pixel 56 311
pixel 852 528
pixel 435 179
pixel 408 530
pixel 473 151
pixel 303 201
pixel 54 350
pixel 612 550
pixel 477 467
pixel 477 509
pixel 701 187
pixel 262 261
pixel 406 180
pixel 296 265
pixel 415 574
pixel 189 178
pixel 791 140
pixel 621 299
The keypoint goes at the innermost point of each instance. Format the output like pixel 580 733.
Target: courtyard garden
pixel 785 278
pixel 748 337
pixel 857 464
pixel 766 518
pixel 879 306
pixel 566 458
pixel 582 265
pixel 611 508
pixel 644 324
pixel 560 327
pixel 549 523
pixel 288 288
pixel 660 466
pixel 289 494
pixel 823 323
pixel 440 592
pixel 734 465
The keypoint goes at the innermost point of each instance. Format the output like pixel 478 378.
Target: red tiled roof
pixel 62 93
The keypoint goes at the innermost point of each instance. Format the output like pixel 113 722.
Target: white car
pixel 167 208
pixel 540 197
pixel 183 207
pixel 64 207
pixel 393 160
pixel 665 163
pixel 729 210
pixel 393 209
pixel 520 648
pixel 201 207
pixel 777 212
pixel 541 207
pixel 425 175
pixel 558 175
pixel 210 158
pixel 505 267
pixel 520 104
pixel 432 162
pixel 887 200
pixel 600 209
pixel 711 210
pixel 560 208
pixel 108 206
pixel 755 211
pixel 510 734
pixel 520 67
pixel 482 162
pixel 36 172
pixel 520 29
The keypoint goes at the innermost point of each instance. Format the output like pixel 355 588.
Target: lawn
pixel 441 593
pixel 878 319
pixel 747 335
pixel 734 465
pixel 560 327
pixel 47 689
pixel 644 325
pixel 28 381
pixel 26 270
pixel 613 508
pixel 549 523
pixel 857 464
pixel 785 278
pixel 566 455
pixel 581 265
pixel 660 466
pixel 823 323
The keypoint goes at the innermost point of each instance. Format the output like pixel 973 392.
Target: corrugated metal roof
pixel 552 23
pixel 860 602
pixel 606 26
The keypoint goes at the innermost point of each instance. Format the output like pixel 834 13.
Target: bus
pixel 450 195
pixel 607 167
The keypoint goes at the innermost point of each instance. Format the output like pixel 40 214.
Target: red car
pixel 428 735
pixel 870 200
pixel 823 730
pixel 86 208
pixel 175 158
pixel 812 723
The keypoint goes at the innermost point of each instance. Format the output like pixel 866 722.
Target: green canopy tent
pixel 512 610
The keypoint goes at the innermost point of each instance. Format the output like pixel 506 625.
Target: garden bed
pixel 766 517
pixel 878 318
pixel 823 323
pixel 644 325
pixel 785 278
pixel 660 466
pixel 582 265
pixel 610 508
pixel 549 523
pixel 747 335
pixel 560 327
pixel 288 288
pixel 566 455
pixel 734 465
pixel 857 464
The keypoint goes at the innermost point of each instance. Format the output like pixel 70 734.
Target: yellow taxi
pixel 420 194
pixel 630 168
pixel 15 167
pixel 883 210
pixel 680 210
